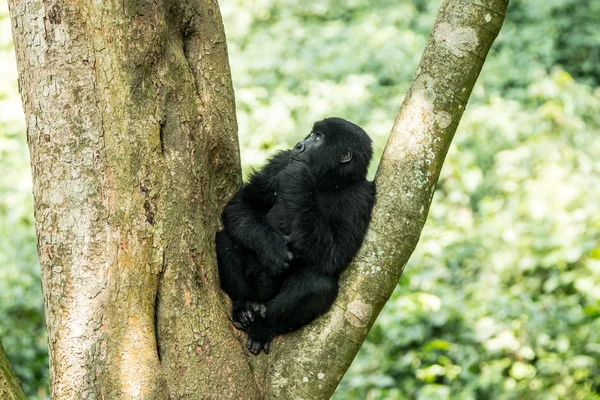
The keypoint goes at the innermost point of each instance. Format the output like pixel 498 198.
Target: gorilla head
pixel 336 152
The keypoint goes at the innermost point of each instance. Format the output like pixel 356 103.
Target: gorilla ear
pixel 346 156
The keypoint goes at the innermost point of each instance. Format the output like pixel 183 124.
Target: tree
pixel 132 132
pixel 10 388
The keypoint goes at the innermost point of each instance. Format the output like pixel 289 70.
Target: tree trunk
pixel 132 132
pixel 10 387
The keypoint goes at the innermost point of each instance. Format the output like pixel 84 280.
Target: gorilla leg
pixel 244 279
pixel 231 267
pixel 303 297
pixel 232 273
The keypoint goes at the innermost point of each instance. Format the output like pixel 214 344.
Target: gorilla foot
pixel 255 346
pixel 245 313
pixel 259 308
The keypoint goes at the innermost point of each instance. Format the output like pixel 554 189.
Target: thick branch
pixel 10 387
pixel 311 362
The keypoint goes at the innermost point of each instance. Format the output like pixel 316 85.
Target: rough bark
pixel 131 127
pixel 132 132
pixel 10 387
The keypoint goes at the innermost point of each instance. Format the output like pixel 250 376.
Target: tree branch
pixel 311 362
pixel 10 387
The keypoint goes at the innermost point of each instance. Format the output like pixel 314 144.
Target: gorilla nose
pixel 299 148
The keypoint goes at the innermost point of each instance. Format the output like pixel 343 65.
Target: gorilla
pixel 293 228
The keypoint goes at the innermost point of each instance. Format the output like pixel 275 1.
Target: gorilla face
pixel 336 151
pixel 303 150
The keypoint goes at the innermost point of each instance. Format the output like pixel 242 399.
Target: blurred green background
pixel 501 299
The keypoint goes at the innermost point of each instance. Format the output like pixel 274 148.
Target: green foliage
pixel 296 62
pixel 501 299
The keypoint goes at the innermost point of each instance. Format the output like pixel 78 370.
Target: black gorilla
pixel 293 228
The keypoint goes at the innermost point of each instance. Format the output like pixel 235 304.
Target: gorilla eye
pixel 317 136
pixel 346 156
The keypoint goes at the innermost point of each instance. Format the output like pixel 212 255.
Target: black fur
pixel 291 230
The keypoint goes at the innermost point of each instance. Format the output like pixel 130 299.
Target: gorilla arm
pixel 327 229
pixel 244 216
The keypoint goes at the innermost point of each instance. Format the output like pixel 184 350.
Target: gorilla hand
pixel 276 256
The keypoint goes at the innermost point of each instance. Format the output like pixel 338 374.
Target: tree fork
pixel 131 128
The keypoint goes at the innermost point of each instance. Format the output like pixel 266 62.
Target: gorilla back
pixel 292 229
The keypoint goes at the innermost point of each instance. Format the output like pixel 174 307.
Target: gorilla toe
pixel 261 309
pixel 255 346
pixel 245 314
